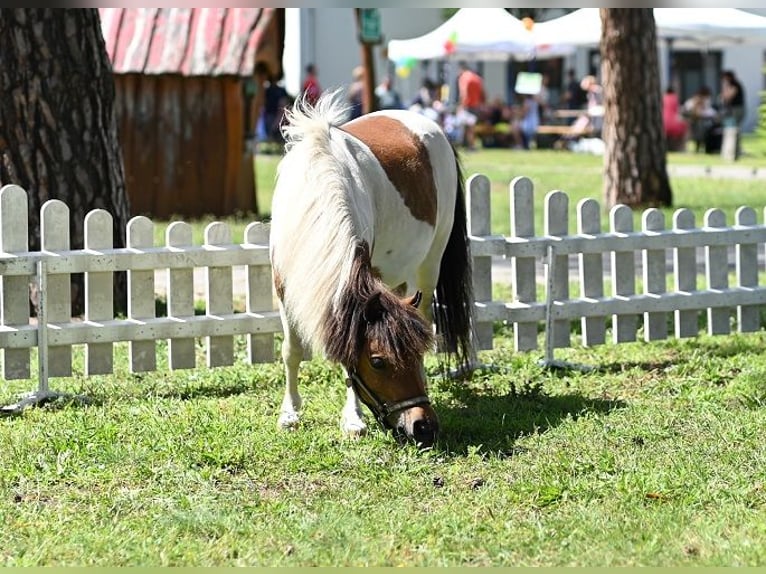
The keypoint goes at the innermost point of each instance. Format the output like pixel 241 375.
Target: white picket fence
pixel 653 254
pixel 556 257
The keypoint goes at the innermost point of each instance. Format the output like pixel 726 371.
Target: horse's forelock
pixel 399 331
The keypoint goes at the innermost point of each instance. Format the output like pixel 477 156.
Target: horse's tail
pixel 453 304
pixel 302 120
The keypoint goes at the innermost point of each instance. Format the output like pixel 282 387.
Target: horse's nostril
pixel 424 432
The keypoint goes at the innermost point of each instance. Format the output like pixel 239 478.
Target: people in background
pixel 701 115
pixel 675 126
pixel 470 87
pixel 530 120
pixel 311 90
pixel 732 101
pixel 574 96
pixel 356 92
pixel 471 97
pixel 388 97
pixel 274 102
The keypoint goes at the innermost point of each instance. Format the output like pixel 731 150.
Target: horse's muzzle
pixel 418 424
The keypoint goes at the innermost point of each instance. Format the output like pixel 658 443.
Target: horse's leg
pixel 292 354
pixel 351 417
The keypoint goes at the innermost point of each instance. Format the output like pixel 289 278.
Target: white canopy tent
pixel 690 28
pixel 475 34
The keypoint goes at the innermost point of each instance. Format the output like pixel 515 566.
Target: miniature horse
pixel 364 213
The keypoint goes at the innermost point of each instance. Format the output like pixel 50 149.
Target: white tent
pixel 694 28
pixel 473 33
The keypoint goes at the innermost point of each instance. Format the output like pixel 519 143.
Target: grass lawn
pixel 654 456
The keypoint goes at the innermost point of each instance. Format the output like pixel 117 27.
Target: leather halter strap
pixel 381 410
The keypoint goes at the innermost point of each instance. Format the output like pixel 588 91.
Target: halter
pixel 380 409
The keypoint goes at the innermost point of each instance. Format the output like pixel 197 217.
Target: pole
pixel 368 63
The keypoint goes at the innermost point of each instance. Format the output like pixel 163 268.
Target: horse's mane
pixel 303 121
pixel 367 310
pixel 317 232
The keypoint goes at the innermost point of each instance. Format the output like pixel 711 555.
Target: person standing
pixel 574 95
pixel 732 99
pixel 470 89
pixel 356 92
pixel 311 89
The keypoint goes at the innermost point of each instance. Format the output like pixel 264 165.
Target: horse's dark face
pixel 394 387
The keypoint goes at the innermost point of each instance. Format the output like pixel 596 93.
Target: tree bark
pixel 58 131
pixel 635 168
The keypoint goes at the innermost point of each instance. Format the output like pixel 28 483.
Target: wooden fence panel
pixel 654 276
pixel 14 238
pixel 557 224
pixel 523 269
pixel 624 326
pixel 99 292
pixel 746 255
pixel 591 271
pixel 260 347
pixel 180 297
pixel 54 236
pixel 142 354
pixel 478 213
pixel 220 348
pixel 717 274
pixel 685 277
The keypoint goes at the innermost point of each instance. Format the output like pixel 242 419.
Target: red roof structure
pixel 185 41
pixel 189 89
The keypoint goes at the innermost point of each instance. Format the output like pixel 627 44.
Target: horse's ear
pixel 373 308
pixel 415 299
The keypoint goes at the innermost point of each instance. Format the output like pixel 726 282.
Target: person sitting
pixel 675 126
pixel 701 115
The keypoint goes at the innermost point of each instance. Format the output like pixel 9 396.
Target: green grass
pixel 655 457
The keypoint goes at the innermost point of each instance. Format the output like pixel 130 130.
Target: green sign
pixel 370 26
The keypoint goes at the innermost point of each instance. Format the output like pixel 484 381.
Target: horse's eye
pixel 378 363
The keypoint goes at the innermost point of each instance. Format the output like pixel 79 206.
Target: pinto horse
pixel 369 250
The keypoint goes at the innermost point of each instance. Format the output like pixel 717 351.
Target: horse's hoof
pixel 354 428
pixel 288 421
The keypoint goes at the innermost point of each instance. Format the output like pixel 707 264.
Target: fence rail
pixel 593 260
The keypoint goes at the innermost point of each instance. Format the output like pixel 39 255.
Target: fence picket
pixel 14 238
pixel 623 275
pixel 99 292
pixel 591 271
pixel 523 269
pixel 260 348
pixel 478 213
pixel 717 274
pixel 54 236
pixel 556 221
pixel 746 254
pixel 685 276
pixel 220 349
pixel 142 354
pixel 180 297
pixel 654 276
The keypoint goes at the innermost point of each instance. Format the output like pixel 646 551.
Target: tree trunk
pixel 635 169
pixel 58 132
